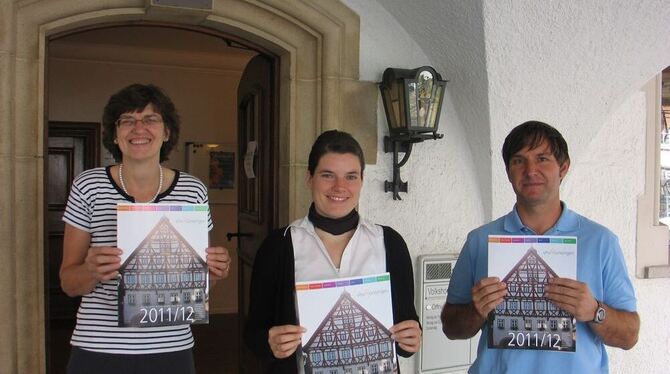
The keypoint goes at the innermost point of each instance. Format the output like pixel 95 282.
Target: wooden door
pixel 72 148
pixel 257 209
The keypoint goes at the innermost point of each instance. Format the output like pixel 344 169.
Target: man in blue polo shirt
pixel 602 299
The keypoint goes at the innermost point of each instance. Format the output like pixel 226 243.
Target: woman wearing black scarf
pixel 332 241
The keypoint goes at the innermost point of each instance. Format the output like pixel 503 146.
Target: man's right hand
pixel 285 339
pixel 487 294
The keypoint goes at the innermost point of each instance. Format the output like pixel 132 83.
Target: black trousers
pixel 86 362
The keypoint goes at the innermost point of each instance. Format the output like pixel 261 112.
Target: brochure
pixel 526 319
pixel 164 279
pixel 347 322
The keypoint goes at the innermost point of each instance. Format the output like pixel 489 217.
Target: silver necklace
pixel 160 183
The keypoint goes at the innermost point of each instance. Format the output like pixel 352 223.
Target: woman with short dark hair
pixel 140 127
pixel 332 241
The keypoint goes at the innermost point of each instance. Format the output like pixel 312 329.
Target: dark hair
pixel 334 141
pixel 132 99
pixel 531 134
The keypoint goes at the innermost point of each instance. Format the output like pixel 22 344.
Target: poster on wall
pixel 347 322
pixel 164 279
pixel 526 319
pixel 215 164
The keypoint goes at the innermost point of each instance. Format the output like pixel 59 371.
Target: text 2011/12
pixel 536 340
pixel 167 314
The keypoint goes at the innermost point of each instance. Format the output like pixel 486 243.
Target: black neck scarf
pixel 335 226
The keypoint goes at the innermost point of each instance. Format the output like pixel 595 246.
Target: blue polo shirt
pixel 600 264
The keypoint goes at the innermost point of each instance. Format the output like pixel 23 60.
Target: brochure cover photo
pixel 164 278
pixel 347 322
pixel 526 319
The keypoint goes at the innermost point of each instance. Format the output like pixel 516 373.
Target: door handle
pixel 230 235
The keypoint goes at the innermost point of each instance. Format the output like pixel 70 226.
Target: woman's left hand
pixel 218 261
pixel 407 334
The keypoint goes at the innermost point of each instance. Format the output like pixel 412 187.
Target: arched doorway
pixel 316 44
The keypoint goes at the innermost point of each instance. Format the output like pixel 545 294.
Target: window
pixel 174 298
pixel 161 298
pixel 565 325
pixel 131 299
pixel 652 236
pixel 553 325
pixel 501 323
pixel 130 278
pixel 359 351
pixel 372 349
pixel 146 299
pixel 331 355
pixel 528 324
pixel 198 296
pixel 514 324
pixel 145 278
pixel 186 277
pixel 159 278
pixel 345 353
pixel 385 346
pixel 541 324
pixel 173 277
pixel 187 297
pixel 316 357
pixel 513 305
pixel 342 336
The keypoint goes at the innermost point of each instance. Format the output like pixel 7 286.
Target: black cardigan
pixel 272 293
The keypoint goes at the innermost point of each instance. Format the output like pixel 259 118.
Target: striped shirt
pixel 91 207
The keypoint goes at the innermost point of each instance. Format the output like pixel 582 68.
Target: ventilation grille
pixel 438 271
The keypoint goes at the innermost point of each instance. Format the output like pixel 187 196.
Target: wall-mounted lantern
pixel 412 101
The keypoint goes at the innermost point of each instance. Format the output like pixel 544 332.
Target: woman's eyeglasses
pixel 128 122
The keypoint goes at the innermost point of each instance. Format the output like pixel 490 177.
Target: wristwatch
pixel 599 317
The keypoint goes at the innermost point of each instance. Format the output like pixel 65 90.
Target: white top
pixel 364 254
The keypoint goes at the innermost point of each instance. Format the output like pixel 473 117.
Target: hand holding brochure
pixel 526 319
pixel 347 322
pixel 164 279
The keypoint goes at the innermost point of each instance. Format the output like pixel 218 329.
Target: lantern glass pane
pixel 425 92
pixel 435 105
pixel 391 104
pixel 413 106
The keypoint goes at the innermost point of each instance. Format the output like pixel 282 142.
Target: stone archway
pixel 316 41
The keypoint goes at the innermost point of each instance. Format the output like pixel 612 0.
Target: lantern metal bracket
pixel 402 144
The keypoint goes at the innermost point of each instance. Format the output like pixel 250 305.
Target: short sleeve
pixel 618 288
pixel 78 210
pixel 462 280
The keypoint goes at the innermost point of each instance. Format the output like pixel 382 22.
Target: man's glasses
pixel 128 122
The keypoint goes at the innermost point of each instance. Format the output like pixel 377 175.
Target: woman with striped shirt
pixel 140 128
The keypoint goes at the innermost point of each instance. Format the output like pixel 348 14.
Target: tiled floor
pixel 216 345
